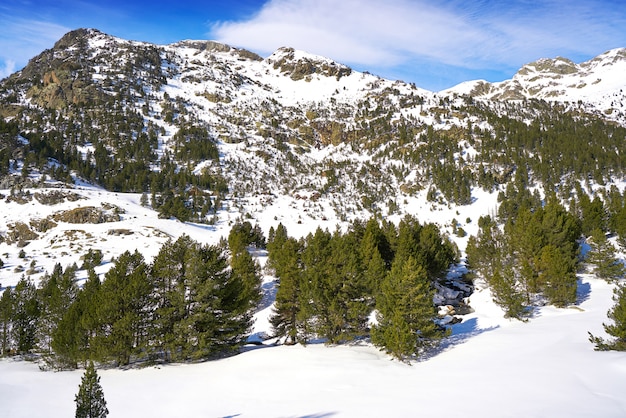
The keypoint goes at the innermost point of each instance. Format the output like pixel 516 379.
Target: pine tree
pixel 558 273
pixel 72 336
pixel 90 402
pixel 245 270
pixel 169 297
pixel 315 256
pixel 6 314
pixel 618 328
pixel 56 293
pixel 286 261
pixel 121 311
pixel 341 307
pixel 25 316
pixel 602 256
pixel 373 245
pixel 506 294
pixel 406 312
pixel 485 251
pixel 435 253
pixel 524 240
pixel 220 308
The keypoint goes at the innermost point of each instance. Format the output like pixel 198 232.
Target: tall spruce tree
pixel 90 402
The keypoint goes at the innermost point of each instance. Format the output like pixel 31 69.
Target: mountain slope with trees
pixel 221 139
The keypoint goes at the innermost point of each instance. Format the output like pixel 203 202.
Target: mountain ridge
pixel 211 134
pixel 559 79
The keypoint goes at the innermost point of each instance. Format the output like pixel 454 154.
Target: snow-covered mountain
pixel 599 83
pixel 114 145
pixel 293 138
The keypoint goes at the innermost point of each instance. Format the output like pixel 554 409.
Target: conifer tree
pixel 618 328
pixel 72 336
pixel 602 256
pixel 315 256
pixel 558 273
pixel 525 238
pixel 406 312
pixel 245 271
pixel 340 306
pixel 485 251
pixel 219 313
pixel 55 294
pixel 286 261
pixel 506 294
pixel 25 316
pixel 90 402
pixel 435 252
pixel 121 311
pixel 66 338
pixel 169 297
pixel 6 314
pixel 373 245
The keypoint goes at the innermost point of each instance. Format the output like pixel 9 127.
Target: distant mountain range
pixel 599 81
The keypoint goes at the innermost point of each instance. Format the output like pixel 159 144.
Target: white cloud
pixel 22 39
pixel 470 35
pixel 7 68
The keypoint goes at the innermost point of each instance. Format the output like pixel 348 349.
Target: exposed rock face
pixel 559 79
pixel 298 66
pixel 88 214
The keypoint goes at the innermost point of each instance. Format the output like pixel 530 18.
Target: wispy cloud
pixel 22 38
pixel 7 68
pixel 480 34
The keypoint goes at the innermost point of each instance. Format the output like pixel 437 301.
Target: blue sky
pixel 434 44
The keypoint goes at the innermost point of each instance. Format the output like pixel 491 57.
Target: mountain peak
pixel 550 66
pixel 298 64
pixel 72 37
pixel 217 47
pixel 599 81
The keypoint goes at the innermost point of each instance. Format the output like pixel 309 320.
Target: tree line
pixel 530 253
pixel 193 302
pixel 330 283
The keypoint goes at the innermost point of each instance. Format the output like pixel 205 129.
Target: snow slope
pixel 490 367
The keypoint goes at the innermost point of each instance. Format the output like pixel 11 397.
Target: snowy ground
pixel 490 367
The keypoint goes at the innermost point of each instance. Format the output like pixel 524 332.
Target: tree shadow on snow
pixel 583 292
pixel 268 297
pixel 461 333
